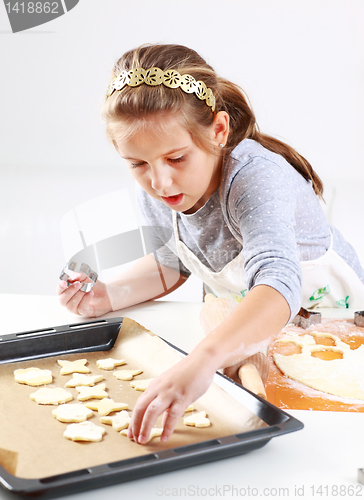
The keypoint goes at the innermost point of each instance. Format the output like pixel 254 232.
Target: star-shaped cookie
pixel 141 385
pixel 68 367
pixel 96 392
pixel 86 380
pixel 197 420
pixel 155 432
pixel 106 406
pixel 119 421
pixel 109 363
pixel 126 374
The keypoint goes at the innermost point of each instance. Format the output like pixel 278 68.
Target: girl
pixel 244 210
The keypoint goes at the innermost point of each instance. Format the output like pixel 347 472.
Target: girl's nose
pixel 161 179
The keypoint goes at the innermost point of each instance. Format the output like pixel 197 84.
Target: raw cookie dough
pixel 97 392
pixel 33 376
pixel 87 380
pixel 155 432
pixel 197 420
pixel 126 374
pixel 51 396
pixel 68 367
pixel 141 385
pixel 119 421
pixel 106 406
pixel 84 431
pixel 72 413
pixel 109 363
pixel 340 377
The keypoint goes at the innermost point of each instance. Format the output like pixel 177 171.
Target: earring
pixel 221 145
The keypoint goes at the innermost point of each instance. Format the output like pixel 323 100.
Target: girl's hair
pixel 132 108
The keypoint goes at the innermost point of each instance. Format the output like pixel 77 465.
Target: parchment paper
pixel 31 439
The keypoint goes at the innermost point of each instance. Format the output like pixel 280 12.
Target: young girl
pixel 244 210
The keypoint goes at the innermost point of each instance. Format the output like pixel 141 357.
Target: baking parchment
pixel 31 440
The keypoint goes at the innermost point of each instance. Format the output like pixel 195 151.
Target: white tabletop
pixel 320 461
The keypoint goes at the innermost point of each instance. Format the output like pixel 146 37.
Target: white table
pixel 326 454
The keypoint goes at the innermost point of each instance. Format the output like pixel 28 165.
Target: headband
pixel 170 78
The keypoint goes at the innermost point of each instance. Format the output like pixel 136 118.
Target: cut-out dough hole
pixel 288 348
pixel 324 341
pixel 327 354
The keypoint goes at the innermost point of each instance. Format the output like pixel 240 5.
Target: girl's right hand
pixel 91 304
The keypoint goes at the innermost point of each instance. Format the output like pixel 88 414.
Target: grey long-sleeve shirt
pixel 265 209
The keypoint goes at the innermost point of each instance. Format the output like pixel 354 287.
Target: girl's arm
pixel 258 318
pixel 146 280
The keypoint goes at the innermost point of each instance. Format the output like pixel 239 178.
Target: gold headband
pixel 170 78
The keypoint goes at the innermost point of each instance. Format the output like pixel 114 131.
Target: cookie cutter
pixel 361 471
pixel 305 318
pixel 359 318
pixel 84 268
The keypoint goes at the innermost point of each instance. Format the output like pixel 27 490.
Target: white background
pixel 300 61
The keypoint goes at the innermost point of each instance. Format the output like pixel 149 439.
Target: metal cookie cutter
pixel 361 472
pixel 84 268
pixel 359 318
pixel 305 318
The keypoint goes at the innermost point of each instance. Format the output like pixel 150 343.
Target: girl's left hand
pixel 170 393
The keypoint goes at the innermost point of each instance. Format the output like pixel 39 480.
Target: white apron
pixel 327 281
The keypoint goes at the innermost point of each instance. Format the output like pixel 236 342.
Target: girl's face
pixel 171 168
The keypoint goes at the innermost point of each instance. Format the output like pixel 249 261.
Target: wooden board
pixel 289 394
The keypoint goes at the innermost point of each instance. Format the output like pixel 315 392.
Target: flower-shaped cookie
pixel 72 413
pixel 84 431
pixel 51 396
pixel 33 376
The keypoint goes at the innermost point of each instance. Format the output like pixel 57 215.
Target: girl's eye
pixel 176 160
pixel 139 164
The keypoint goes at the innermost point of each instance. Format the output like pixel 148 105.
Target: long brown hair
pixel 127 110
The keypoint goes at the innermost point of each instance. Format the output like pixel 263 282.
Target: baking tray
pixel 101 335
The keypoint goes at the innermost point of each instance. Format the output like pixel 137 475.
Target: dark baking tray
pixel 101 336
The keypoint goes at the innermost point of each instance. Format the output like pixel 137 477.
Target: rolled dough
pixel 340 377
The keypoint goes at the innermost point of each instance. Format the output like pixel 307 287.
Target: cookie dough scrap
pixel 68 367
pixel 339 377
pixel 33 376
pixel 197 420
pixel 84 380
pixel 51 396
pixel 141 385
pixel 72 413
pixel 106 406
pixel 126 374
pixel 155 432
pixel 119 421
pixel 109 363
pixel 84 431
pixel 96 392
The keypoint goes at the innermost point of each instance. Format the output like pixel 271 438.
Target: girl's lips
pixel 173 200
